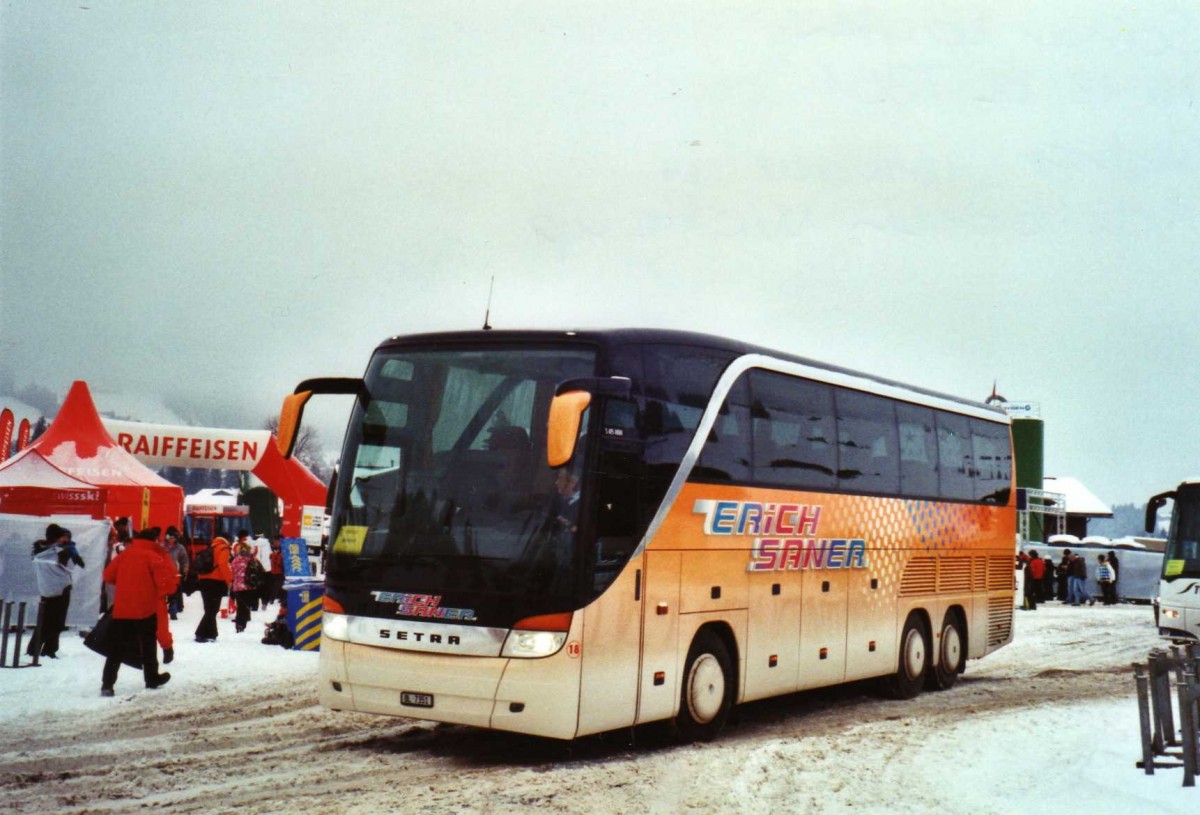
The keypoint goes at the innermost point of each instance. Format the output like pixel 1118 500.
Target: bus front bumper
pixel 535 696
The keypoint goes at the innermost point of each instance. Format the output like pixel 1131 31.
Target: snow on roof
pixel 220 496
pixel 30 468
pixel 1079 499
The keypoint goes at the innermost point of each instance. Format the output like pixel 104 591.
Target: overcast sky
pixel 224 198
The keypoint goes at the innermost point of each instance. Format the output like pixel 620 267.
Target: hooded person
pixel 213 585
pixel 141 576
pixel 52 559
pixel 173 546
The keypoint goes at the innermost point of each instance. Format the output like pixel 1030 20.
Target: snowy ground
pixel 1048 724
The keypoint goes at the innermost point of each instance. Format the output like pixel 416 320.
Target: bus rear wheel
pixel 708 688
pixel 909 678
pixel 951 645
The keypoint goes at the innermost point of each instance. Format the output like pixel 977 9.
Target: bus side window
pixel 866 426
pixel 955 459
pixel 678 382
pixel 918 451
pixel 794 431
pixel 993 461
pixel 726 454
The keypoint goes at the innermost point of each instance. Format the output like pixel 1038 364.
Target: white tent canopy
pixel 17 579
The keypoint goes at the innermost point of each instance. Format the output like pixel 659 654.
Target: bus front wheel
pixel 909 678
pixel 708 688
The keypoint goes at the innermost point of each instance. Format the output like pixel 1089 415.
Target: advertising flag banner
pixel 23 435
pixel 6 430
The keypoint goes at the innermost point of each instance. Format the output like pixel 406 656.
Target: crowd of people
pixel 1066 581
pixel 147 576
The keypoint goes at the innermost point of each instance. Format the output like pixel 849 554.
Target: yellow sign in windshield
pixel 350 540
pixel 1174 568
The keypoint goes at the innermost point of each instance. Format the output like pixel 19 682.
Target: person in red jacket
pixel 214 585
pixel 1035 570
pixel 141 577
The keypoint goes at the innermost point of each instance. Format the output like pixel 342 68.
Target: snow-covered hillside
pixel 117 405
pixel 20 409
pixel 1048 725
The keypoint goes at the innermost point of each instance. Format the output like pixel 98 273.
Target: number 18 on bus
pixel 564 533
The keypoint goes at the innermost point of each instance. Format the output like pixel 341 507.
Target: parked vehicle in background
pixel 1139 569
pixel 1177 610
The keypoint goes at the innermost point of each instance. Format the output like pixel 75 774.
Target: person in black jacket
pixel 1116 567
pixel 1063 574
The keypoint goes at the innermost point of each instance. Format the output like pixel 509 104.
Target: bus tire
pixel 951 654
pixel 909 678
pixel 708 689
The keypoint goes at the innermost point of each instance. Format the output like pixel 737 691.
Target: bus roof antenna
pixel 488 312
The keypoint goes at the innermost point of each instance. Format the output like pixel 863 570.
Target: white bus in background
pixel 1177 607
pixel 1139 568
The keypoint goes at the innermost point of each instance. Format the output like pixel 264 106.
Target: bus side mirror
pixel 566 412
pixel 571 399
pixel 1153 506
pixel 293 406
pixel 289 422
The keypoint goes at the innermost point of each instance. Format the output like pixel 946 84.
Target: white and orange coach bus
pixel 564 533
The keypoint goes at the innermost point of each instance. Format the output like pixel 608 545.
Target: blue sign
pixel 295 557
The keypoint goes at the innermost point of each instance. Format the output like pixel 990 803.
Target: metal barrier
pixel 16 633
pixel 1157 706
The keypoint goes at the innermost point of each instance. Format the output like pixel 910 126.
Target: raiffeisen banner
pixel 181 446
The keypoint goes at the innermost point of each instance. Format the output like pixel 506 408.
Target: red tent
pixel 31 485
pixel 77 443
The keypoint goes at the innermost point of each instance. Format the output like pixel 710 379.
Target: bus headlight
pixel 1171 612
pixel 335 626
pixel 537 636
pixel 533 643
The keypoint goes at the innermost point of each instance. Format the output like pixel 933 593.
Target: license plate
pixel 416 699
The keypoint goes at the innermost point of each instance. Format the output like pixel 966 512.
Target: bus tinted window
pixel 993 461
pixel 918 450
pixel 678 381
pixel 866 426
pixel 794 431
pixel 726 454
pixel 955 464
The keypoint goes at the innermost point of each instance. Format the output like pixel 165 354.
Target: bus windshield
pixel 445 490
pixel 1182 557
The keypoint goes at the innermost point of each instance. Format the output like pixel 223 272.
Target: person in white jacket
pixel 52 560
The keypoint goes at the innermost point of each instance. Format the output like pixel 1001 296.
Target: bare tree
pixel 309 450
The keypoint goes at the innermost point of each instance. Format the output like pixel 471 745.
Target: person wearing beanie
pixel 142 577
pixel 51 564
pixel 175 550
